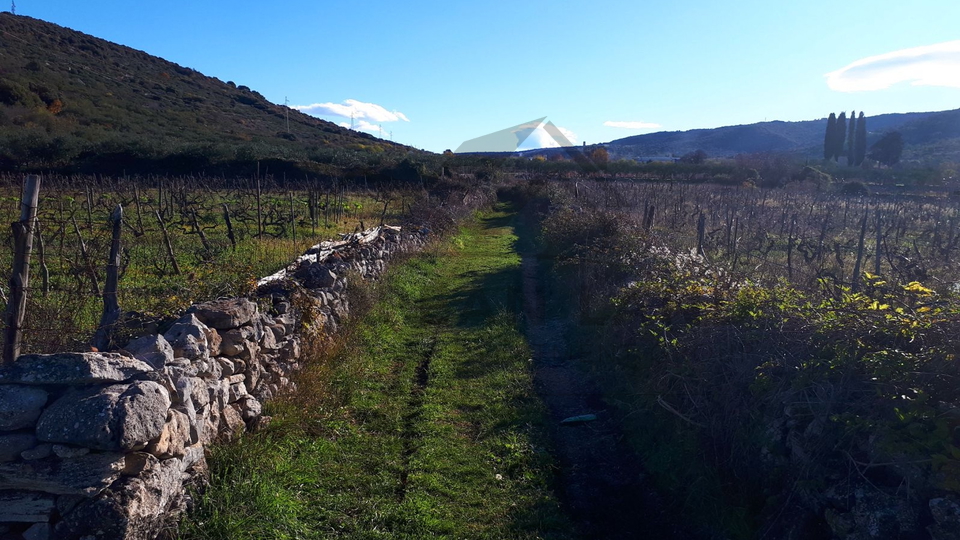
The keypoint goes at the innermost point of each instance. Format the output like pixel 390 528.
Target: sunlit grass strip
pixel 425 425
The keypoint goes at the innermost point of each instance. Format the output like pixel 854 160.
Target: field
pixel 783 351
pixel 177 246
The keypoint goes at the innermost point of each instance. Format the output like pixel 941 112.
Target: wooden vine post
pixel 20 278
pixel 111 306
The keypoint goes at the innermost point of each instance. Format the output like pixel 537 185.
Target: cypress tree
pixel 840 137
pixel 861 142
pixel 851 136
pixel 829 137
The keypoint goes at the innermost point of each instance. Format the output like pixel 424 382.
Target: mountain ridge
pixel 804 138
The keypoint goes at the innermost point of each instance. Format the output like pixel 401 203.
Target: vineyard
pixel 182 240
pixel 810 238
pixel 789 352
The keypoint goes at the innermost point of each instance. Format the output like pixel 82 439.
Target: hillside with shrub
pixel 71 102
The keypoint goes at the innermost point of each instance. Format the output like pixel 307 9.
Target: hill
pixel 71 102
pixel 928 136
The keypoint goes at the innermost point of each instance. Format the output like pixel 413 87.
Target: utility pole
pixel 352 125
pixel 286 112
pixel 13 7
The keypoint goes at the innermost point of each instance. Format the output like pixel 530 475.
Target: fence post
pixel 111 306
pixel 20 278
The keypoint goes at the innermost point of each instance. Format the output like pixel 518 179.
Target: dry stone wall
pixel 103 445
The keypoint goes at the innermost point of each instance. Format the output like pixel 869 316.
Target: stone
pixel 250 408
pixel 117 417
pixel 290 350
pixel 174 437
pixel 213 341
pixel 278 331
pixel 227 366
pixel 219 392
pixel 282 307
pixel 26 506
pixel 137 462
pixel 41 451
pixel 946 517
pixel 234 341
pixel 192 421
pixel 11 445
pixel 268 343
pixel 20 406
pixel 199 393
pixel 38 531
pixel 66 503
pixel 209 369
pixel 183 390
pixel 63 451
pixel 253 374
pixel 314 276
pixel 86 475
pixel 153 349
pixel 251 350
pixel 135 508
pixel 237 391
pixel 188 337
pixel 208 424
pixel 225 314
pixel 232 421
pixel 72 369
pixel 260 423
pixel 257 326
pixel 878 515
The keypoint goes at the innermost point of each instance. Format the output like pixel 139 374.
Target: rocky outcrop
pixel 99 445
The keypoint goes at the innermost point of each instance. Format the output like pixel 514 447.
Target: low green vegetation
pixel 423 424
pixel 767 394
pixel 202 262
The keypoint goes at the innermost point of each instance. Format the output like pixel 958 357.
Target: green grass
pixel 425 425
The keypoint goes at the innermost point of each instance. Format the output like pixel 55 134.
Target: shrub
pixel 854 189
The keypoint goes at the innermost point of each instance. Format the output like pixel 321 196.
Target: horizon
pixel 438 90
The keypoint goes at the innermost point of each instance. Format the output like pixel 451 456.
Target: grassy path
pixel 425 425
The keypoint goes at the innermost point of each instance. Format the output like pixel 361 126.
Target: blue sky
pixel 438 73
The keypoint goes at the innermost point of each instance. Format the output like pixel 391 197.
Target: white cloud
pixel 571 136
pixel 363 125
pixel 931 65
pixel 631 125
pixel 351 108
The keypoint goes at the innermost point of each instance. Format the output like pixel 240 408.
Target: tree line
pixel 848 139
pixel 843 140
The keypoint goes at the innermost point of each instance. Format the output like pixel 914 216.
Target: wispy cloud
pixel 351 108
pixel 631 125
pixel 931 65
